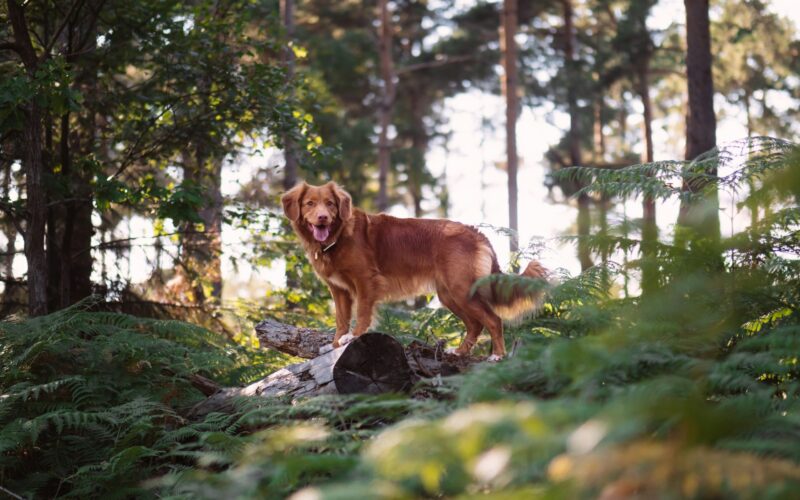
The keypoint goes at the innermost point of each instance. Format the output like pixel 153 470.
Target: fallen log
pixel 309 378
pixel 306 343
pixel 372 363
pixel 301 342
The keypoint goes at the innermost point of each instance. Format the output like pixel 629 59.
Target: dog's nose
pixel 322 218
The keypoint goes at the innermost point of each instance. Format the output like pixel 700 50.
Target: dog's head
pixel 318 211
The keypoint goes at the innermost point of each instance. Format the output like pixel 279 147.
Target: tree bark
pixel 300 342
pixel 386 103
pixel 309 378
pixel 289 149
pixel 701 121
pixel 77 262
pixel 56 218
pixel 574 135
pixel 508 47
pixel 202 248
pixel 599 149
pixel 372 363
pixel 701 216
pixel 752 204
pixel 598 157
pixel 649 226
pixel 419 146
pixel 37 214
pixel 584 231
pixel 33 164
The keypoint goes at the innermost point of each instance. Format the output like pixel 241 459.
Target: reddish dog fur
pixel 365 259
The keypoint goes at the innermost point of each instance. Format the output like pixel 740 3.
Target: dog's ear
pixel 291 201
pixel 345 202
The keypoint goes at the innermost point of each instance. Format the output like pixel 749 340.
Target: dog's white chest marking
pixel 337 280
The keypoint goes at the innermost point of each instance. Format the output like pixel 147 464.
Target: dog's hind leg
pixel 474 310
pixel 493 324
pixel 474 326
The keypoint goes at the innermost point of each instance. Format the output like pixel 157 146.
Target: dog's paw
pixel 326 348
pixel 453 351
pixel 346 339
pixel 494 358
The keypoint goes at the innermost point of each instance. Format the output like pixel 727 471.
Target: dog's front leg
pixel 343 302
pixel 366 299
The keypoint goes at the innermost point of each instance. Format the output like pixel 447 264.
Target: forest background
pixel 643 150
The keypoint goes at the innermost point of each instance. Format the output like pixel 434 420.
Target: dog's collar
pixel 325 249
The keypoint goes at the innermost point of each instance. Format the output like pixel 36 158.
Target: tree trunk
pixel 419 146
pixel 33 164
pixel 649 226
pixel 508 47
pixel 700 215
pixel 289 149
pixel 701 121
pixel 37 214
pixel 202 248
pixel 77 262
pixel 70 228
pixel 386 102
pixel 584 231
pixel 56 217
pixel 752 202
pixel 599 149
pixel 574 137
pixel 598 156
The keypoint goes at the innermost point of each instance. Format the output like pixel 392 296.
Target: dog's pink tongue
pixel 321 233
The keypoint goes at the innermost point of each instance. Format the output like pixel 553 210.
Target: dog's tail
pixel 510 297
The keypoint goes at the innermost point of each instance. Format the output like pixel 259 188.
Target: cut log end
pixel 373 363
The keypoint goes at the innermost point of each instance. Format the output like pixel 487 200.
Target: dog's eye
pixel 310 203
pixel 329 203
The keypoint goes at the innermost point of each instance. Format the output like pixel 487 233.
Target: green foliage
pixel 49 87
pixel 739 162
pixel 91 402
pixel 313 441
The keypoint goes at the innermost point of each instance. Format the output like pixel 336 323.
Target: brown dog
pixel 365 259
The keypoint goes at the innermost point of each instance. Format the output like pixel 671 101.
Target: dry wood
pixel 300 342
pixel 373 363
pixel 309 378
